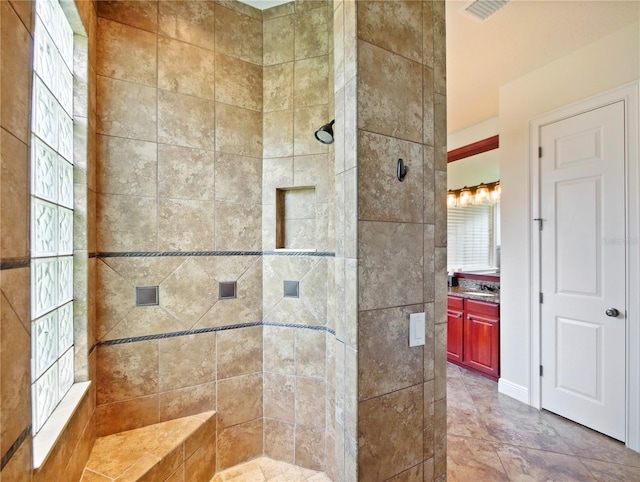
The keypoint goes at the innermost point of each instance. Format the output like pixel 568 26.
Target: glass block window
pixel 52 355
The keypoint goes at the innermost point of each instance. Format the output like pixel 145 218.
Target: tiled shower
pixel 203 170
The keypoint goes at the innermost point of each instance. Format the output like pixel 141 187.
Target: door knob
pixel 612 312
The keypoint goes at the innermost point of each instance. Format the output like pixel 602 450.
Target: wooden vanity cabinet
pixel 455 325
pixel 473 340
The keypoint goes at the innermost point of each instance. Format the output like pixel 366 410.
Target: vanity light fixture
pixel 496 193
pixel 452 199
pixel 325 133
pixel 480 194
pixel 465 196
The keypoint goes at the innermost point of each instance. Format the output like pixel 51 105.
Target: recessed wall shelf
pixel 296 218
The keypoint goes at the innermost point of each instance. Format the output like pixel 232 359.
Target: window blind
pixel 470 233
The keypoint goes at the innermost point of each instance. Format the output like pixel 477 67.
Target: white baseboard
pixel 512 390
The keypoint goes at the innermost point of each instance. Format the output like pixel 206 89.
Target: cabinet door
pixel 454 335
pixel 482 343
pixel 455 327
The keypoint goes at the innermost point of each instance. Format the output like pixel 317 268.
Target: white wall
pixel 603 65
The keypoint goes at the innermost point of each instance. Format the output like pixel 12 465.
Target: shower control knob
pixel 612 312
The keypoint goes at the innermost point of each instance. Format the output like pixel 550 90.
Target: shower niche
pixel 296 218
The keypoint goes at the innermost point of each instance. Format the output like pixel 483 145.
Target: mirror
pixel 473 230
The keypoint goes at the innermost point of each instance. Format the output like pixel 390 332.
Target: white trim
pixel 51 431
pixel 629 95
pixel 513 390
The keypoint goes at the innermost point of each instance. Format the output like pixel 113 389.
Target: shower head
pixel 325 133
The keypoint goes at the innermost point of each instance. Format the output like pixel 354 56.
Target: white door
pixel 582 205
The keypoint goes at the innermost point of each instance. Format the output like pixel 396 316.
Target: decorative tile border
pixel 175 334
pixel 15 263
pixel 14 447
pixel 161 254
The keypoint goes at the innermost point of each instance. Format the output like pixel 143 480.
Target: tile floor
pixel 264 469
pixel 492 437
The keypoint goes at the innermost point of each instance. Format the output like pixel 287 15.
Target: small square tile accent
pixel 227 290
pixel 147 295
pixel 292 289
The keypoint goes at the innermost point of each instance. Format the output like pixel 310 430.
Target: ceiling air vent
pixel 483 9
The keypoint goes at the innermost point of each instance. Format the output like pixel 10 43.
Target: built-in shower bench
pixel 181 449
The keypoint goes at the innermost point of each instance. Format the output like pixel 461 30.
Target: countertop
pixel 463 292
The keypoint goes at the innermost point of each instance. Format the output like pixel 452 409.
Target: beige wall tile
pixel 385 361
pixel 185 173
pixel 239 352
pixel 127 371
pixel 126 53
pixel 427 33
pixel 381 197
pixel 278 87
pixel 15 356
pixel 238 179
pixel 185 225
pixel 127 166
pixel 279 440
pixel 428 109
pixel 315 171
pixel 187 401
pixel 440 436
pixel 15 74
pixel 19 466
pixel 379 287
pixel 15 285
pixel 238 35
pixel 25 11
pixel 399 112
pixel 278 42
pixel 311 81
pixel 238 131
pixel 136 13
pixel 429 422
pixel 126 415
pixel 338 46
pixel 390 434
pixel 14 196
pixel 279 11
pixel 238 83
pixel 239 443
pixel 394 26
pixel 126 110
pixel 186 361
pixel 192 22
pixel 115 298
pixel 312 33
pixel 277 173
pixel 189 292
pixel 238 227
pixel 310 353
pixel 440 131
pixel 279 354
pixel 239 400
pixel 185 120
pixel 278 134
pixel 310 402
pixel 306 121
pixel 279 396
pixel 143 321
pixel 185 68
pixel 310 442
pixel 247 306
pixel 127 223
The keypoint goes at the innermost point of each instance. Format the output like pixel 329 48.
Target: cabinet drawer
pixel 482 308
pixel 455 303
